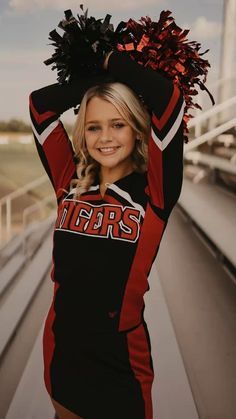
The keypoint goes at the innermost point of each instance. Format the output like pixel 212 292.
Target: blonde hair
pixel 134 113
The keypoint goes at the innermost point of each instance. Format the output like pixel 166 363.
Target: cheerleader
pixel 116 185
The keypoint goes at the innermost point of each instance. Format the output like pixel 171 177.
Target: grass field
pixel 19 165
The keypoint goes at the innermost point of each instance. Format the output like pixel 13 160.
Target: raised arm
pixel 165 149
pixel 53 144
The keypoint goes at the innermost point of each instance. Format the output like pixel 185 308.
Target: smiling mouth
pixel 108 150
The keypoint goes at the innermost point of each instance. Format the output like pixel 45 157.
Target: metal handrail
pixel 210 115
pixel 220 81
pixel 211 161
pixel 7 201
pixel 34 207
pixel 23 189
pixel 29 210
pixel 210 135
pixel 211 112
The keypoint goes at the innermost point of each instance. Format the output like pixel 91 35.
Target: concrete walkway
pixel 201 299
pixel 172 397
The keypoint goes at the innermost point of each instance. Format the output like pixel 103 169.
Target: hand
pixel 105 64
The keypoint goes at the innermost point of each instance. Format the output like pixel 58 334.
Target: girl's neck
pixel 108 175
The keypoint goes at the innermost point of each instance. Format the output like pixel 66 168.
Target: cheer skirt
pixel 100 375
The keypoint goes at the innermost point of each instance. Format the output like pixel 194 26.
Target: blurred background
pixel 191 308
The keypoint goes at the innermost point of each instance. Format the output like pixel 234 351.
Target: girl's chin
pixel 109 165
pixel 108 161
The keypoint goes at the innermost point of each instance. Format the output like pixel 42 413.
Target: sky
pixel 24 44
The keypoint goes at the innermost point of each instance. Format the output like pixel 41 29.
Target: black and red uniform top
pixel 104 247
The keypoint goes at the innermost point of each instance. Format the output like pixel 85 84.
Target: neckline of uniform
pixel 97 183
pixel 117 183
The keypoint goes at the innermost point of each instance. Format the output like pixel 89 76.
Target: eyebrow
pixel 113 119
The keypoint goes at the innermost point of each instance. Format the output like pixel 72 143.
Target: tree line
pixel 17 125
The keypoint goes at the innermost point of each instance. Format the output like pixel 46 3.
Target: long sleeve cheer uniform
pixel 97 352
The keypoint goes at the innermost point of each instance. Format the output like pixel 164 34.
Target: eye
pixel 119 125
pixel 92 128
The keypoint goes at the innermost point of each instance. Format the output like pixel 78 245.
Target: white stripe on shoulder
pixel 91 188
pixel 170 135
pixel 127 197
pixel 71 192
pixel 42 137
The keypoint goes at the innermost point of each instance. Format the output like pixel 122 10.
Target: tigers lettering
pixel 107 220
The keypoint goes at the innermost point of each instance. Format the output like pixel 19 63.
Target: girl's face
pixel 109 138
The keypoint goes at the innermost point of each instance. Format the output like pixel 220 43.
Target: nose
pixel 105 135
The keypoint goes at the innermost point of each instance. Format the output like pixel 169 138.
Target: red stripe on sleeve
pixel 39 118
pixel 59 153
pixel 160 123
pixel 155 174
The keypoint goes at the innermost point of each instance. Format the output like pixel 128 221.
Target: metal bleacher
pixel 25 261
pixel 30 399
pixel 23 291
pixel 213 210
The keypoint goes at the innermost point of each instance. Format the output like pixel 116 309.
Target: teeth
pixel 108 148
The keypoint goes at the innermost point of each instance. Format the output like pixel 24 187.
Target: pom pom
pixel 161 45
pixel 82 48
